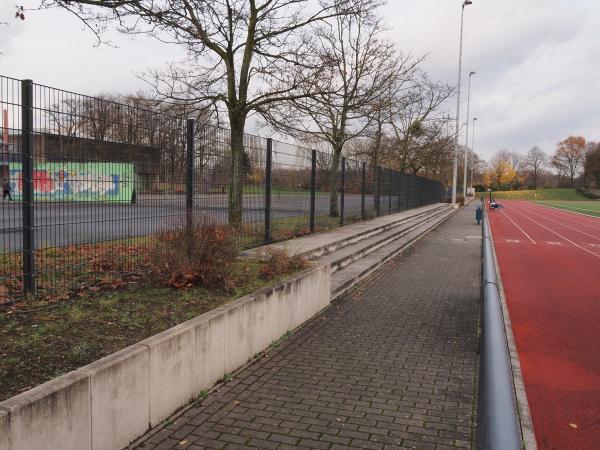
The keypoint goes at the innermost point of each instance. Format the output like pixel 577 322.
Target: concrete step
pixel 318 245
pixel 350 253
pixel 345 278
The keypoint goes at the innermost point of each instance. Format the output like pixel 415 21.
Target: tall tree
pixel 243 54
pixel 501 171
pixel 568 157
pixel 417 122
pixel 534 162
pixel 361 65
pixel 592 165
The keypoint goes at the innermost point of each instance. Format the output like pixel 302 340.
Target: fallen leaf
pixel 573 425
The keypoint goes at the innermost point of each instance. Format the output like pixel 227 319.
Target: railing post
pixel 27 154
pixel 313 189
pixel 378 191
pixel 189 184
pixel 399 187
pixel 343 191
pixel 390 191
pixel 268 165
pixel 363 189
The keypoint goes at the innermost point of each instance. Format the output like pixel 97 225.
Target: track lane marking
pixel 521 229
pixel 559 235
pixel 565 213
pixel 596 237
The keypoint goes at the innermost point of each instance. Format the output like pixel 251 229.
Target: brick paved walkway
pixel 392 364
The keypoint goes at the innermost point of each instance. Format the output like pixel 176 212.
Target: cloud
pixel 535 61
pixel 10 28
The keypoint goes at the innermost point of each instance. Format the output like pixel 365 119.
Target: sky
pixel 536 61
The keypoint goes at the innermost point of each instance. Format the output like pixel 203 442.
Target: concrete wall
pixel 109 403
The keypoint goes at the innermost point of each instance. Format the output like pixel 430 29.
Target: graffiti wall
pixel 66 181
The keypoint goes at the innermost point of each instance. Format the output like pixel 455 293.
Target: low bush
pixel 588 194
pixel 278 262
pixel 204 255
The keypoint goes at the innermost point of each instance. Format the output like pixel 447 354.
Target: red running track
pixel 550 267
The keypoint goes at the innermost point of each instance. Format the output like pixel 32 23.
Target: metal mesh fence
pixel 88 182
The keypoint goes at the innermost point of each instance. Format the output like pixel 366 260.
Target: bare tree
pixel 568 157
pixel 416 121
pixel 534 162
pixel 592 165
pixel 360 67
pixel 243 54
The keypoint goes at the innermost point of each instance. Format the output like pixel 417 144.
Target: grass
pixel 41 340
pixel 589 207
pixel 539 194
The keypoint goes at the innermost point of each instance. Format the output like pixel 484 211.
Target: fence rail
pixel 497 423
pixel 88 180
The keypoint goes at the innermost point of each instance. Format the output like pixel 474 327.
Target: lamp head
pixel 471 73
pixel 467 3
pixel 474 119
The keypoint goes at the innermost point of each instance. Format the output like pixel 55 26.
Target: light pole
pixel 473 150
pixel 467 137
pixel 455 168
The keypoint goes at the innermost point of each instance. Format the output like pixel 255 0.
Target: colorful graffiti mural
pixel 97 181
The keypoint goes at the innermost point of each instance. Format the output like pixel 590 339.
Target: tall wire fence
pixel 88 182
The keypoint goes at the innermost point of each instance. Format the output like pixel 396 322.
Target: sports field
pixel 550 266
pixel 589 207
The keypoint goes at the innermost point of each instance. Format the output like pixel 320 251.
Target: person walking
pixel 6 189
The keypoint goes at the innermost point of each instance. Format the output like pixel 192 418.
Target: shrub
pixel 588 194
pixel 278 262
pixel 203 255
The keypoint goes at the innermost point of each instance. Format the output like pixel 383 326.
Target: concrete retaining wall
pixel 109 403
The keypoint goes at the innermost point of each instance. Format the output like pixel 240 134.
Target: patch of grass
pixel 42 339
pixel 539 194
pixel 589 207
pixel 281 339
pixel 227 377
pixel 203 394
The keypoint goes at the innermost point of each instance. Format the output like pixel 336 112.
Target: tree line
pixel 574 163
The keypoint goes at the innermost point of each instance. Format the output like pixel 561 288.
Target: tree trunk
pixel 236 173
pixel 333 182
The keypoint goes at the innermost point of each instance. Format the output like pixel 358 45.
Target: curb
pixel 527 431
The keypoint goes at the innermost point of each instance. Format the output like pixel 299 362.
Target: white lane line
pixel 566 212
pixel 515 224
pixel 559 235
pixel 594 236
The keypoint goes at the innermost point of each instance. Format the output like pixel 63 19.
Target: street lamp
pixel 455 168
pixel 467 137
pixel 473 150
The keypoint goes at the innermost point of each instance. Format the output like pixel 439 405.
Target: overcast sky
pixel 537 61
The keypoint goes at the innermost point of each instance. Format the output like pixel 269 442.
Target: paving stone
pixel 391 364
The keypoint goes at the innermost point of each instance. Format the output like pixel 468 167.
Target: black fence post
pixel 399 190
pixel 27 153
pixel 268 165
pixel 378 191
pixel 343 192
pixel 189 184
pixel 390 185
pixel 313 189
pixel 363 189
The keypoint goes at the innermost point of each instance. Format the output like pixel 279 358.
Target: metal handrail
pixel 497 425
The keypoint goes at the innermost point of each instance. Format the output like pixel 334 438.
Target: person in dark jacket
pixel 6 189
